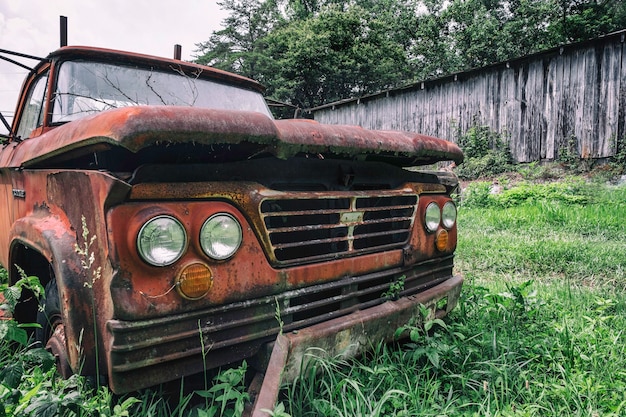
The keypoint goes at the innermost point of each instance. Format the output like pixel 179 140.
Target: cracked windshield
pixel 85 88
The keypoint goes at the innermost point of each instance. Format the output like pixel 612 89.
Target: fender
pixel 53 237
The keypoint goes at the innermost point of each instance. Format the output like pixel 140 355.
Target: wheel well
pixel 32 263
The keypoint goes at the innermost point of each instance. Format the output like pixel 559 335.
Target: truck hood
pixel 137 128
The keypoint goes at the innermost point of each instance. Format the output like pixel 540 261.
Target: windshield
pixel 85 88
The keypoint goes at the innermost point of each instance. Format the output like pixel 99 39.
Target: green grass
pixel 540 329
pixel 570 231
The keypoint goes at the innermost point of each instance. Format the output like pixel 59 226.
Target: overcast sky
pixel 146 26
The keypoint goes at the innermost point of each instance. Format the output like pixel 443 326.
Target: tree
pixel 586 19
pixel 239 47
pixel 531 26
pixel 335 54
pixel 483 32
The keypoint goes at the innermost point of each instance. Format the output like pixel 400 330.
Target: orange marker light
pixel 195 281
pixel 442 240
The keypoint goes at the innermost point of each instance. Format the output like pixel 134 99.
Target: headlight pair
pixel 435 216
pixel 163 240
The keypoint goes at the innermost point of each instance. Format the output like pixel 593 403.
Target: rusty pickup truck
pixel 177 226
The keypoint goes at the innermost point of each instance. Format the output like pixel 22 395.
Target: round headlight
pixel 220 236
pixel 161 241
pixel 433 217
pixel 448 215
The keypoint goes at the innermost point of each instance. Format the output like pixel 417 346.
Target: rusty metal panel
pixel 353 140
pixel 138 287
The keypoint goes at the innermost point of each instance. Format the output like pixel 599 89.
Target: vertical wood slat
pixel 539 103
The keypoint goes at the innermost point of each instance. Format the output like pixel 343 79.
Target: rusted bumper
pixel 348 336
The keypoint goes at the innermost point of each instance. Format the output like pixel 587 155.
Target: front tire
pixel 51 333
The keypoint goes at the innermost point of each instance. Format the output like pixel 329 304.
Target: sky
pixel 150 27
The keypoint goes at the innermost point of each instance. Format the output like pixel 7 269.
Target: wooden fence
pixel 542 103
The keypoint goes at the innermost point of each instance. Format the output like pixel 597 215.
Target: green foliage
pixel 507 352
pixel 340 52
pixel 486 153
pixel 571 229
pixel 10 330
pixel 564 192
pixel 227 396
pixel 618 161
pixel 570 158
pixel 239 45
pixel 535 171
pixel 395 288
pixel 278 411
pixel 572 192
pixel 335 387
pixel 427 342
pixel 583 20
pixel 28 384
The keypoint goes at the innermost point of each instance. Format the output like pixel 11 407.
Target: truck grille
pixel 304 230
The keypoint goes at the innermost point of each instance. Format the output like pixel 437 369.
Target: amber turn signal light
pixel 441 242
pixel 195 281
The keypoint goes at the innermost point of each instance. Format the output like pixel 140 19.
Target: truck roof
pixel 112 55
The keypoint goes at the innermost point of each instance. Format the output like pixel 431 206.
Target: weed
pixel 570 192
pixel 617 163
pixel 336 387
pixel 10 330
pixel 227 396
pixel 486 153
pixel 569 156
pixel 395 288
pixel 426 342
pixel 94 274
pixel 278 316
pixel 535 171
pixel 278 411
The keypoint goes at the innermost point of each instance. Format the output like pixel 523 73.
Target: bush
pixel 479 194
pixel 486 153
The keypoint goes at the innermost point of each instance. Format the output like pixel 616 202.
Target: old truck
pixel 177 226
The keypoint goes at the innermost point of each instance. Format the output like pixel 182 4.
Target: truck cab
pixel 177 226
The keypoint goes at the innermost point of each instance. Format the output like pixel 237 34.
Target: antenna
pixel 63 27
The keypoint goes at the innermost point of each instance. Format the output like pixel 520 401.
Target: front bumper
pixel 348 336
pixel 144 353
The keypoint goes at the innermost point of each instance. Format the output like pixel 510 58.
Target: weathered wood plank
pixel 540 103
pixel 621 115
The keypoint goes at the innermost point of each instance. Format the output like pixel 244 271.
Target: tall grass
pixel 539 330
pixel 573 231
